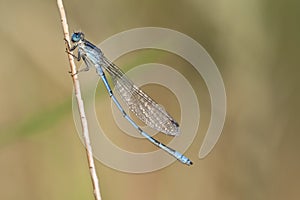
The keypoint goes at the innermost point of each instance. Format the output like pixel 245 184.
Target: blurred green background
pixel 255 44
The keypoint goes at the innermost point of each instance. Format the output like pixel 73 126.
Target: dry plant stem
pixel 83 119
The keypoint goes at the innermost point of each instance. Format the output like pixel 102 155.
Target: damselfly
pixel 145 108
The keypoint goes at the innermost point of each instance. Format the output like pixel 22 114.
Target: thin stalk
pixel 80 104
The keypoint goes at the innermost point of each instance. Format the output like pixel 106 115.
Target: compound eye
pixel 76 37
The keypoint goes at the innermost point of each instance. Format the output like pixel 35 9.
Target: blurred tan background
pixel 255 44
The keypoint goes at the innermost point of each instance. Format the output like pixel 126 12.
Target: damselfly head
pixel 77 36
